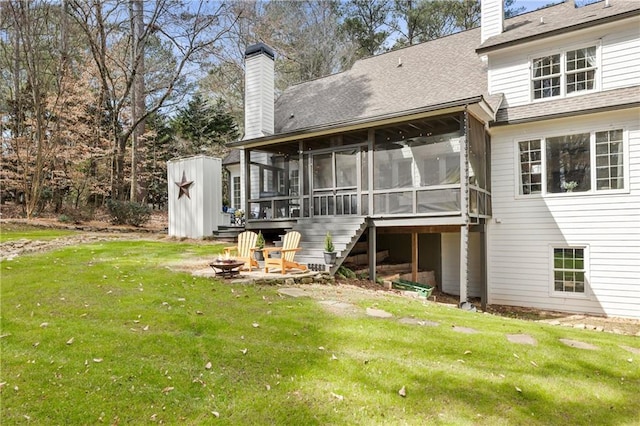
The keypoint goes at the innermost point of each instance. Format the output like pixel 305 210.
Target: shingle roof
pixel 618 98
pixel 557 19
pixel 233 157
pixel 429 74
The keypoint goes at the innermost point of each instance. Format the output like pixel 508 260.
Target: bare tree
pixel 38 64
pixel 189 32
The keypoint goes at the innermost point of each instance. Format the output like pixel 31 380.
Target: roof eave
pixel 353 124
pixel 605 20
pixel 566 114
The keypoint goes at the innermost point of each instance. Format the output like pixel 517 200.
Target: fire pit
pixel 226 268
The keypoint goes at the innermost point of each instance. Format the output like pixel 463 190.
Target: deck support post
pixel 484 291
pixel 464 247
pixel 372 252
pixel 414 256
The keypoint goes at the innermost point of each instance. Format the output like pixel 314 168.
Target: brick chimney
pixel 491 18
pixel 259 91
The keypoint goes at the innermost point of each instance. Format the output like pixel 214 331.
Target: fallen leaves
pixel 403 392
pixel 208 366
pixel 167 389
pixel 70 341
pixel 336 396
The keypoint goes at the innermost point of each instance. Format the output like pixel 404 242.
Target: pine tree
pixel 205 128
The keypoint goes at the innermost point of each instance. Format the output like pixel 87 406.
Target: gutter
pixel 352 124
pixel 565 114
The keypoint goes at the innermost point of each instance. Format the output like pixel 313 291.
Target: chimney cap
pixel 257 49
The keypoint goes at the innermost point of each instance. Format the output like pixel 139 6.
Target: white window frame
pixel 592 169
pixel 565 294
pixel 236 196
pixel 563 72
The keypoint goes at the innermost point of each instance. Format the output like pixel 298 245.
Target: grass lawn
pixel 106 333
pixel 16 231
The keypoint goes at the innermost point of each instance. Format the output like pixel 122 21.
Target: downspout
pixel 464 207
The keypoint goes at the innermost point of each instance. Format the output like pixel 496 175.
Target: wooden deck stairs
pixel 345 231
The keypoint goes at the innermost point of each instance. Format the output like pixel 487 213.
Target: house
pixel 506 158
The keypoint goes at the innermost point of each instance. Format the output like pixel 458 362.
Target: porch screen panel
pixel 438 160
pixel 346 169
pixel 393 203
pixel 322 171
pixel 393 166
pixel 438 201
pixel 365 169
pixel 478 153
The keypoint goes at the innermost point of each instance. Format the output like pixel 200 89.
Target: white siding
pixel 621 58
pixel 619 66
pixel 492 18
pixel 607 224
pixel 259 96
pixel 199 214
pixel 510 76
pixel 451 264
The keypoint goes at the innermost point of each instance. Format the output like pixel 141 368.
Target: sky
pixel 533 4
pixel 530 5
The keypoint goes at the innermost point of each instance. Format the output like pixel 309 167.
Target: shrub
pixel 75 215
pixel 328 243
pixel 260 241
pixel 65 219
pixel 128 213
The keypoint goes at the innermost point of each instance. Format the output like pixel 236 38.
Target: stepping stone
pixel 580 345
pixel 523 339
pixel 465 330
pixel 337 305
pixel 378 313
pixel 292 292
pixel 631 349
pixel 415 321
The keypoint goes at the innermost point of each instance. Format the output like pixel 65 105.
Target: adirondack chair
pixel 287 253
pixel 244 250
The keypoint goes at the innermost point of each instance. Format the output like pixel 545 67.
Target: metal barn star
pixel 184 186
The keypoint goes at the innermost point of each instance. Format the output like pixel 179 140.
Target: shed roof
pixel 626 97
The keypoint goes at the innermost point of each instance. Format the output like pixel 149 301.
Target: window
pixel 546 77
pixel 581 69
pixel 564 73
pixel 609 167
pixel 294 182
pixel 567 163
pixel 236 192
pixel 531 166
pixel 569 270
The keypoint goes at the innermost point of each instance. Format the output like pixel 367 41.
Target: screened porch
pixel 428 167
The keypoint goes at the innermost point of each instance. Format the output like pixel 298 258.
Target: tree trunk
pixel 138 185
